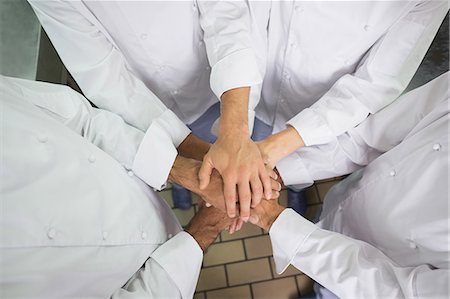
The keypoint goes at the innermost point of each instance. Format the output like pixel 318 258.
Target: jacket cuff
pixel 238 69
pixel 293 172
pixel 181 257
pixel 157 151
pixel 312 127
pixel 287 234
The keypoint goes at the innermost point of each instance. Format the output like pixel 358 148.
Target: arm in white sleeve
pixel 376 135
pixel 349 268
pixel 229 36
pixel 103 75
pixel 106 130
pixel 381 77
pixel 171 271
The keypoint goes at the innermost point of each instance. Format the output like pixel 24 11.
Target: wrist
pixel 234 112
pixel 271 217
pixel 184 172
pixel 204 236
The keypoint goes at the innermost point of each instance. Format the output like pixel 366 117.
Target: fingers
pixel 265 179
pixel 229 192
pixel 257 191
pixel 204 174
pixel 245 197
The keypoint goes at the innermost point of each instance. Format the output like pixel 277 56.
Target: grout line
pixel 226 275
pixel 245 249
pixel 249 284
pixel 298 287
pixel 270 266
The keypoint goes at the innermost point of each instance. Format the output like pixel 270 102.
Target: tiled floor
pixel 241 265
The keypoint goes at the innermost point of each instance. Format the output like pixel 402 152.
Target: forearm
pixel 193 147
pixel 234 113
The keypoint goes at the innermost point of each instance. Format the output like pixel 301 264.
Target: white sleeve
pixel 171 271
pixel 105 78
pixel 106 130
pixel 355 269
pixel 381 77
pixel 376 135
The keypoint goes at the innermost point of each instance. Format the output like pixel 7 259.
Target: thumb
pixel 204 174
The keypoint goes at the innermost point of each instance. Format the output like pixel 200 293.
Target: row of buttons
pixel 436 147
pixel 51 234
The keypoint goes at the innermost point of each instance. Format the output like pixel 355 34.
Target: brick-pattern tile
pixel 324 187
pixel 258 247
pixel 283 198
pixel 199 295
pixel 274 289
pixel 231 293
pixel 290 271
pixel 312 196
pixel 166 194
pixel 311 212
pixel 305 284
pixel 184 216
pixel 249 271
pixel 212 278
pixel 222 253
pixel 247 230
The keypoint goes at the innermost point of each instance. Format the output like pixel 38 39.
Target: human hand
pixel 239 162
pixel 266 213
pixel 206 225
pixel 279 145
pixel 238 223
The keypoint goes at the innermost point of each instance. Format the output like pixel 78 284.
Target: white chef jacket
pixel 384 231
pixel 147 62
pixel 329 64
pixel 74 221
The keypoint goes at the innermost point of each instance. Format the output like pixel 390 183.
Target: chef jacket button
pixel 412 245
pixel 91 158
pixel 43 138
pixel 436 147
pixel 130 173
pixel 366 28
pixel 340 207
pixel 144 36
pixel 169 236
pixel 286 76
pixel 282 100
pixel 392 172
pixel 207 67
pixel 144 235
pixel 200 43
pixel 105 235
pixel 298 8
pixel 51 233
pixel 174 92
pixel 161 68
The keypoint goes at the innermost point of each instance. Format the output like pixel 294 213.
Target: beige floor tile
pixel 199 296
pixel 166 194
pixel 324 187
pixel 290 271
pixel 283 288
pixel 258 246
pixel 242 292
pixel 247 230
pixel 212 278
pixel 312 195
pixel 305 284
pixel 312 211
pixel 222 253
pixel 283 198
pixel 184 216
pixel 249 271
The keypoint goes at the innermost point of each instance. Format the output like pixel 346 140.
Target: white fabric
pixel 74 221
pixel 384 231
pixel 140 58
pixel 331 64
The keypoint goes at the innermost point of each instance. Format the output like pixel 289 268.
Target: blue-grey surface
pixel 436 60
pixel 19 36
